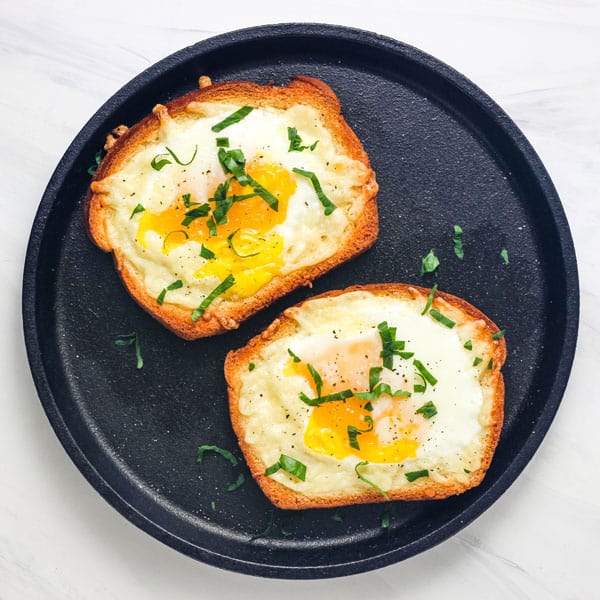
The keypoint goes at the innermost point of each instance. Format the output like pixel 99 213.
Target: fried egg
pixel 269 195
pixel 364 381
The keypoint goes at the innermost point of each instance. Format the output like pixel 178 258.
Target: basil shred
pixel 289 465
pixel 222 287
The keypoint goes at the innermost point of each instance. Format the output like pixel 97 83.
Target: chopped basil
pixel 222 451
pixel 213 505
pixel 206 252
pixel 173 286
pixel 195 213
pixel 251 366
pixel 266 531
pixel 187 201
pixel 438 316
pixel 468 345
pixel 354 432
pixel 426 374
pixel 234 162
pixel 222 287
pixel 429 263
pixel 237 483
pixel 138 209
pixel 212 227
pixel 290 465
pixel 386 518
pixel 264 194
pixel 296 141
pixel 325 201
pixel 478 360
pixel 187 237
pixel 428 410
pixel 97 159
pixel 490 365
pixel 413 475
pixel 420 388
pixel 127 339
pixel 337 517
pixel 430 298
pixel 294 356
pixel 499 334
pixel 316 378
pixel 390 346
pixel 369 406
pixel 161 160
pixel 504 255
pixel 368 481
pixel 457 239
pixel 222 142
pixel 374 375
pixel 233 118
pixel 230 243
pixel 329 398
pixel 466 471
pixel 378 390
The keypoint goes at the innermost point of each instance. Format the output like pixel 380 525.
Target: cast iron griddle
pixel 444 154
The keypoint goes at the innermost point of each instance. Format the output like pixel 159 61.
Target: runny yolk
pixel 391 438
pixel 253 254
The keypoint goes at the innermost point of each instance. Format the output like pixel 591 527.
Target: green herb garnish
pixel 296 141
pixel 413 475
pixel 429 263
pixel 466 471
pixel 390 346
pixel 424 372
pixel 206 252
pixel 264 194
pixel 430 298
pixel 490 364
pixel 325 201
pixel 237 483
pixel 294 356
pixel 187 237
pixel 504 255
pixel 234 162
pixel 457 239
pixel 195 213
pixel 337 517
pixel 127 339
pixel 420 388
pixel 213 505
pixel 438 316
pixel 499 334
pixel 161 160
pixel 173 286
pixel 468 345
pixel 478 360
pixel 222 287
pixel 323 399
pixel 386 517
pixel 233 118
pixel 212 227
pixel 354 432
pixel 187 201
pixel 368 481
pixel 290 465
pixel 222 142
pixel 221 451
pixel 138 209
pixel 251 366
pixel 316 378
pixel 428 410
pixel 97 159
pixel 230 243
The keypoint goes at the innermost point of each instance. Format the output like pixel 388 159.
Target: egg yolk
pixel 389 438
pixel 244 246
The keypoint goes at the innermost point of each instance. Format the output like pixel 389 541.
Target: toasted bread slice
pixel 425 422
pixel 229 197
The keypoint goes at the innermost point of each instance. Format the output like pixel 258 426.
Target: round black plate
pixel 444 154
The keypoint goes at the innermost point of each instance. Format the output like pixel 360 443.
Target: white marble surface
pixel 60 60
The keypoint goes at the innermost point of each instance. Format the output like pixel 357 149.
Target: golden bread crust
pixel 222 315
pixel 236 364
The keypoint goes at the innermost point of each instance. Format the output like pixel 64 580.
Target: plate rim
pixel 527 154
